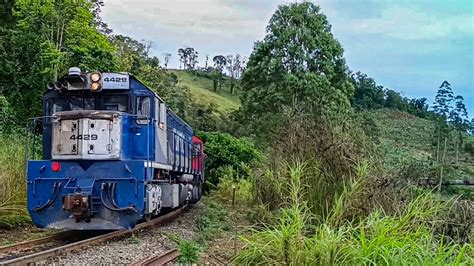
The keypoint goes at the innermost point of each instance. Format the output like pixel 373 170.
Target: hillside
pixel 404 139
pixel 201 88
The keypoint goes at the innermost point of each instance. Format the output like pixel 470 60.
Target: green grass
pixel 213 221
pixel 201 89
pixel 12 184
pixel 404 139
pixel 405 238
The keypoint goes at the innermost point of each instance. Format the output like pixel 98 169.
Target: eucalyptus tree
pixel 166 59
pixel 442 108
pixel 219 63
pixel 459 119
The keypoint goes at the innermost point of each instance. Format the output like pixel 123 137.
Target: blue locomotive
pixel 113 154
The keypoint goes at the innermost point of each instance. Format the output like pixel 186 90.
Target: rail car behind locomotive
pixel 113 154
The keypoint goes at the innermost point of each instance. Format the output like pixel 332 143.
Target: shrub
pixel 188 251
pixel 223 149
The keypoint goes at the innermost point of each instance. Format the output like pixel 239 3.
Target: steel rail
pixel 87 243
pixel 162 259
pixel 34 242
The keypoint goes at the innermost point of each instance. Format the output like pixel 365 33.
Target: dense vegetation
pixel 332 167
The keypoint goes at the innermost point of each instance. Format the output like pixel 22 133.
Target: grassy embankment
pixel 201 89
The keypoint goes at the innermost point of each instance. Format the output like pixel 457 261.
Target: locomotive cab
pixel 113 153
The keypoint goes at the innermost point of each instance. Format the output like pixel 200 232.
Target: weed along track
pixel 47 247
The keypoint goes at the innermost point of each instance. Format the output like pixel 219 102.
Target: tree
pixel 131 54
pixel 167 57
pixel 442 108
pixel 219 64
pixel 183 57
pixel 45 38
pixel 234 66
pixel 459 119
pixel 444 97
pixel 297 67
pixel 188 57
pixel 207 59
pixel 367 94
pixel 192 58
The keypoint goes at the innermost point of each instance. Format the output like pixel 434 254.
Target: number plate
pixel 115 81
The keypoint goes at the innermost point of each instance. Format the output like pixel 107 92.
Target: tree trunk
pixel 442 164
pixel 214 83
pixel 220 82
pixel 232 86
pixel 437 145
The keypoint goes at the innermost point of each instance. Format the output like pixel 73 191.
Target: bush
pixel 405 238
pixel 223 149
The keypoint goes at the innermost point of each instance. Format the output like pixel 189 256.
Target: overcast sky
pixel 409 46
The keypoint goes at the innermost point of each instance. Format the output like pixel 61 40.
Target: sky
pixel 409 46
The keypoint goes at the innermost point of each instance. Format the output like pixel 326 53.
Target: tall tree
pixel 234 68
pixel 442 108
pixel 219 64
pixel 166 59
pixel 459 119
pixel 183 57
pixel 192 56
pixel 298 66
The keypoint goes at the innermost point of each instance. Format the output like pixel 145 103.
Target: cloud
pixel 413 24
pixel 411 46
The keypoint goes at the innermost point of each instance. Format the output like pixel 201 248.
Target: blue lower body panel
pixel 87 195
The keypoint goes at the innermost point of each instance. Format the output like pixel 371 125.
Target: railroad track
pixel 76 245
pixel 161 259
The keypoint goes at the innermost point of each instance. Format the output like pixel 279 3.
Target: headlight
pixel 95 86
pixel 95 77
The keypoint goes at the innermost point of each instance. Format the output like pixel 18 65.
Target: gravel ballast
pixel 149 242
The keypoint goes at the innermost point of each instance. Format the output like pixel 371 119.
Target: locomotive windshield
pixel 114 102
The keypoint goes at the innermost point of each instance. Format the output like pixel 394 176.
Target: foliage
pixel 44 39
pixel 229 182
pixel 223 149
pixel 235 66
pixel 298 66
pixel 219 63
pixel 402 239
pixel 12 184
pixel 214 220
pixel 188 251
pixel 367 94
pixel 330 152
pixel 188 57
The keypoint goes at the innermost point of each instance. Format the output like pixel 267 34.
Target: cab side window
pixel 143 110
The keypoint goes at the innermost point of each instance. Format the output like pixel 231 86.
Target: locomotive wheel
pixel 197 186
pixel 148 217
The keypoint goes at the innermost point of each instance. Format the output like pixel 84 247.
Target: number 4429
pixel 84 137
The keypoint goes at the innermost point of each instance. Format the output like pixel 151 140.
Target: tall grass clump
pixel 404 238
pixel 229 183
pixel 333 156
pixel 12 183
